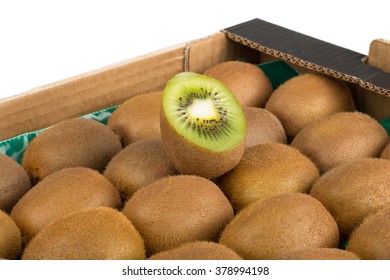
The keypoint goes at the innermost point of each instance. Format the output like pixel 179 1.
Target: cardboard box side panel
pixel 376 105
pixel 208 51
pixel 379 54
pixel 89 92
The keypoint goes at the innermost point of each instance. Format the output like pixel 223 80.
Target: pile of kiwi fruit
pixel 218 165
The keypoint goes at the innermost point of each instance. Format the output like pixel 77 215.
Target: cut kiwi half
pixel 203 126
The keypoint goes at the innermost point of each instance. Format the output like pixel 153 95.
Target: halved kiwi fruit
pixel 14 182
pixel 203 127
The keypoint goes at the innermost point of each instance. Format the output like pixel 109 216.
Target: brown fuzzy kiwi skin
pixel 354 190
pixel 247 81
pixel 176 210
pixel 14 182
pixel 10 238
pixel 199 250
pixel 70 143
pixel 385 154
pixel 277 225
pixel 341 138
pixel 266 170
pixel 138 165
pixel 190 159
pixel 263 127
pixel 60 193
pixel 101 233
pixel 137 118
pixel 320 254
pixel 371 240
pixel 307 98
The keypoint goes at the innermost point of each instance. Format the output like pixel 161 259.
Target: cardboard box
pixel 255 41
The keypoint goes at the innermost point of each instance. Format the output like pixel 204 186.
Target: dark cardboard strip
pixel 311 53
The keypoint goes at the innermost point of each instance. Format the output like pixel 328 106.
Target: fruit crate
pixel 97 93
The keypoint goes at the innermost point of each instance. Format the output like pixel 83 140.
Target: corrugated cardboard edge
pixel 306 64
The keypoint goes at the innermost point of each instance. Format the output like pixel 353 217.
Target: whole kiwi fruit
pixel 70 143
pixel 371 239
pixel 263 127
pixel 138 165
pixel 320 254
pixel 176 210
pixel 266 170
pixel 354 190
pixel 247 81
pixel 137 118
pixel 386 152
pixel 101 233
pixel 273 227
pixel 60 193
pixel 341 138
pixel 203 127
pixel 198 250
pixel 10 238
pixel 307 98
pixel 14 182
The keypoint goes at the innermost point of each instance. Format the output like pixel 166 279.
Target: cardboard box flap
pixel 311 53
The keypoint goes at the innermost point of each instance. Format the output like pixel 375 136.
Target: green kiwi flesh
pixel 204 111
pixel 203 127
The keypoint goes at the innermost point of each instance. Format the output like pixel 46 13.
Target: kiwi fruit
pixel 266 170
pixel 353 190
pixel 263 127
pixel 137 118
pixel 10 238
pixel 247 81
pixel 138 165
pixel 14 182
pixel 307 98
pixel 70 143
pixel 176 210
pixel 203 127
pixel 341 138
pixel 280 224
pixel 60 193
pixel 385 154
pixel 320 254
pixel 199 250
pixel 371 239
pixel 100 233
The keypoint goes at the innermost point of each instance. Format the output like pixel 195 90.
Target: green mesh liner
pixel 385 122
pixel 15 147
pixel 278 72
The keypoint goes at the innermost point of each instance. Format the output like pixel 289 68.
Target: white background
pixel 45 41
